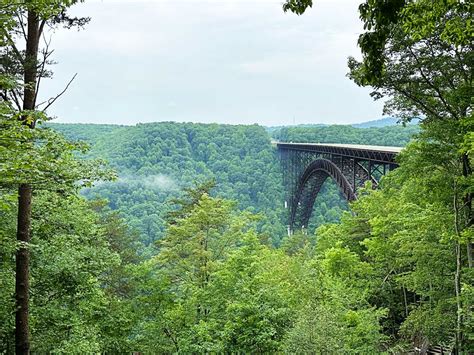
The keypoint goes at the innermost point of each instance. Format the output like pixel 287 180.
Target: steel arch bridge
pixel 306 166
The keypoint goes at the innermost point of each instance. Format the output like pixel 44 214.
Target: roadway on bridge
pixel 375 148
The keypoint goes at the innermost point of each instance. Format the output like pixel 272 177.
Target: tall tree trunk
pixel 22 339
pixel 22 343
pixel 31 62
pixel 467 171
pixel 457 276
pixel 457 286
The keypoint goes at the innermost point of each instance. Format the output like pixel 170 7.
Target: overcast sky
pixel 227 61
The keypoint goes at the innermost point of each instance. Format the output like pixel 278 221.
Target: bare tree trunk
pixel 466 171
pixel 22 342
pixel 22 338
pixel 457 284
pixel 457 276
pixel 469 253
pixel 405 300
pixel 31 62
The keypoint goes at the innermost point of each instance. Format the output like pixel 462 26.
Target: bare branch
pixel 430 84
pixel 448 77
pixel 416 100
pixel 4 96
pixel 7 97
pixel 46 54
pixel 16 100
pixel 20 21
pixel 12 44
pixel 11 4
pixel 51 101
pixel 461 68
pixel 41 27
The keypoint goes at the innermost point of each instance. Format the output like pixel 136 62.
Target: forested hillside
pixel 396 136
pixel 155 161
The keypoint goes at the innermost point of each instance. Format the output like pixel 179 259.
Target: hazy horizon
pixel 221 123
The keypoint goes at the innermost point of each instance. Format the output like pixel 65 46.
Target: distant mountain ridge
pixel 383 122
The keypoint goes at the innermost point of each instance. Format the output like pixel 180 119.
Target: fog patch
pixel 155 182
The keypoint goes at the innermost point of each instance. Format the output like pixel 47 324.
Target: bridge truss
pixel 306 166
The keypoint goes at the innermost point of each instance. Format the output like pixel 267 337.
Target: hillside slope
pixel 155 161
pixel 397 136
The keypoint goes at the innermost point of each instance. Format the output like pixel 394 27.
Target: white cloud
pixel 158 181
pixel 222 60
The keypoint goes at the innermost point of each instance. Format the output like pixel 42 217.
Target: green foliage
pixel 46 9
pixel 192 254
pixel 44 158
pixel 214 287
pixel 74 272
pixel 425 57
pixel 372 283
pixel 155 161
pixel 405 234
pixel 396 136
pixel 297 6
pixel 334 328
pixel 337 316
pixel 70 253
pixel 395 273
pixel 426 54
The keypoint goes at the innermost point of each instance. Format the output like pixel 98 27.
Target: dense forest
pixel 395 136
pixel 170 237
pixel 156 161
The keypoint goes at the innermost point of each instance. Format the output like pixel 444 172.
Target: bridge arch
pixel 307 165
pixel 308 187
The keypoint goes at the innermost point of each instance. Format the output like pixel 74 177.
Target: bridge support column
pixel 354 175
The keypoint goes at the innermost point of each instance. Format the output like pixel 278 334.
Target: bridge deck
pixel 375 148
pixel 367 152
